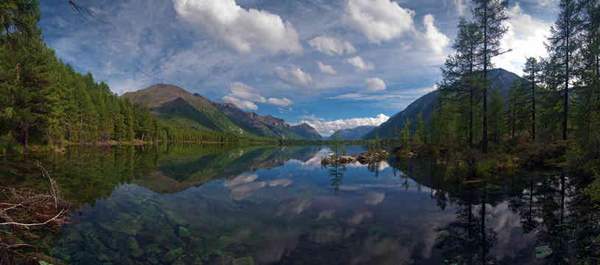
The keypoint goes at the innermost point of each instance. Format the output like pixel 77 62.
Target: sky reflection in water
pixel 294 212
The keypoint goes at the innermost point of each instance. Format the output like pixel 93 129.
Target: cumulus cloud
pixel 326 69
pixel 245 97
pixel 526 37
pixel 331 46
pixel 405 95
pixel 240 103
pixel 360 64
pixel 241 29
pixel 436 39
pixel 379 20
pixel 245 92
pixel 375 84
pixel 327 128
pixel 280 102
pixel 294 76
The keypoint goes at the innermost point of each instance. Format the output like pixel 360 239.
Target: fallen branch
pixel 53 187
pixel 36 224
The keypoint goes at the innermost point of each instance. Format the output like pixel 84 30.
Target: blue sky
pixel 332 63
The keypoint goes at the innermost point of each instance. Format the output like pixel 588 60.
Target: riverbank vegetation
pixel 550 117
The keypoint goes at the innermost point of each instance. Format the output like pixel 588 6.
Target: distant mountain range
pixel 356 133
pixel 499 79
pixel 181 108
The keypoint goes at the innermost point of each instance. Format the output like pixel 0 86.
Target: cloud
pixel 360 64
pixel 331 46
pixel 327 128
pixel 241 29
pixel 326 69
pixel 526 37
pixel 294 76
pixel 280 102
pixel 240 103
pixel 379 20
pixel 245 97
pixel 410 94
pixel 436 40
pixel 375 84
pixel 245 92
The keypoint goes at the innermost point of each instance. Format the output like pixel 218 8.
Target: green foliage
pixel 45 102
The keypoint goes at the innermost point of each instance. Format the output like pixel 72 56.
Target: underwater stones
pixel 173 255
pixel 327 234
pixel 243 261
pixel 183 232
pixel 543 251
pixel 359 217
pixel 326 214
pixel 134 248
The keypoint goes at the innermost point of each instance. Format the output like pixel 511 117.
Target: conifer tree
pixel 490 16
pixel 562 47
pixel 532 74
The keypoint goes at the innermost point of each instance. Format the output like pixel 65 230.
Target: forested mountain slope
pixel 499 79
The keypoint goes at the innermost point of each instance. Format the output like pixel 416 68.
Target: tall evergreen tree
pixel 490 16
pixel 532 74
pixel 564 33
pixel 466 64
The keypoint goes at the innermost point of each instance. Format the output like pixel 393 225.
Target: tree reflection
pixel 468 239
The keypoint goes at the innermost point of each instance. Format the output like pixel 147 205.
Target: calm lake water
pixel 272 205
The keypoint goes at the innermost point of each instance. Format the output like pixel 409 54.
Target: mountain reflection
pixel 219 205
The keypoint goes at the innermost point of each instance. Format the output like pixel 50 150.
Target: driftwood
pixel 22 210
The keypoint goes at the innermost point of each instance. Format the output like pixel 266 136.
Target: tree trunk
pixel 25 137
pixel 471 95
pixel 567 77
pixel 533 105
pixel 484 145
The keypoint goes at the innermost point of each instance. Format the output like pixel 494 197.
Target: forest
pixel 555 105
pixel 45 102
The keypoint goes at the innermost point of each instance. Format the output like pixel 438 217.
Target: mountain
pixel 186 110
pixel 182 108
pixel 499 79
pixel 267 126
pixel 352 134
pixel 306 131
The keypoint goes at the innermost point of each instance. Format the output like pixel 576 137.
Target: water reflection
pixel 259 205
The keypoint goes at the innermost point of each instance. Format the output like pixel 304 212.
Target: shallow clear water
pixel 280 206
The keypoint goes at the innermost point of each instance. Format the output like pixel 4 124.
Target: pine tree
pixel 497 115
pixel 490 16
pixel 562 47
pixel 459 79
pixel 420 136
pixel 518 109
pixel 405 134
pixel 532 74
pixel 588 76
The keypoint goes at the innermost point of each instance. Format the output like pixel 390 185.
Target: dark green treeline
pixel 46 102
pixel 556 100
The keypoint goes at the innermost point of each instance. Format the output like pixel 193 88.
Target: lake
pixel 279 205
